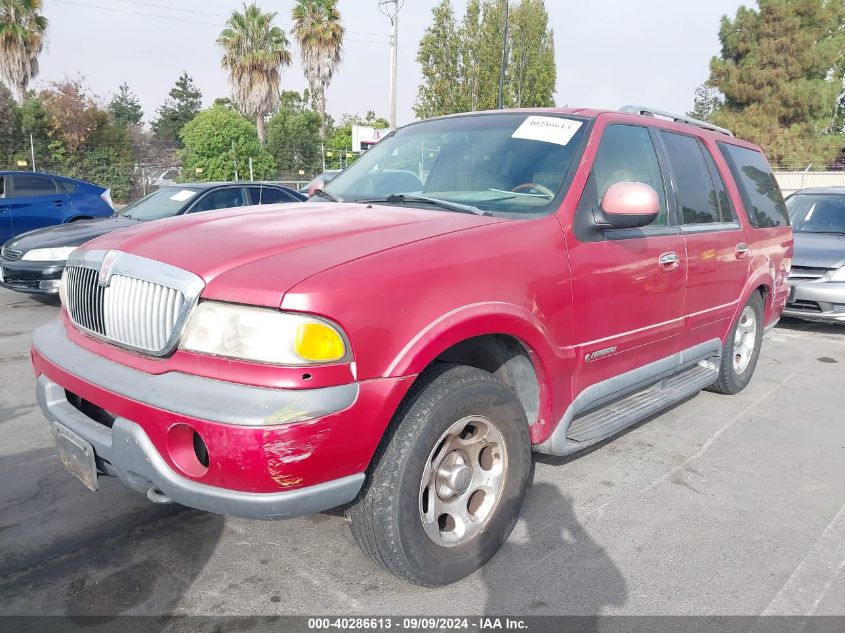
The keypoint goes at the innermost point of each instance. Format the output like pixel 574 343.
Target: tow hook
pixel 157 496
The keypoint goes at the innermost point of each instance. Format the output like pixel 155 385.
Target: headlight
pixel 63 289
pixel 48 254
pixel 837 275
pixel 262 335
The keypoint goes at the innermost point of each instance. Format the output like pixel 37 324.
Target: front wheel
pixel 741 349
pixel 448 481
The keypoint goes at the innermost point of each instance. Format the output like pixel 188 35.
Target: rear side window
pixel 2 186
pixel 66 186
pixel 760 193
pixel 26 185
pixel 698 199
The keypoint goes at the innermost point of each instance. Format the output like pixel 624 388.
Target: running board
pixel 601 423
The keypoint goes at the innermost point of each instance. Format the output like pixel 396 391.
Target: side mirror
pixel 316 184
pixel 629 205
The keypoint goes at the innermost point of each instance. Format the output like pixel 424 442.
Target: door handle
pixel 669 261
pixel 58 203
pixel 742 250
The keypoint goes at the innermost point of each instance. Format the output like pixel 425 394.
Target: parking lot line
pixel 808 584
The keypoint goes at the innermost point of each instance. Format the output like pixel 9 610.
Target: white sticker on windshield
pixel 548 129
pixel 185 194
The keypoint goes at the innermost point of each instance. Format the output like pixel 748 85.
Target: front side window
pixel 760 192
pixel 697 197
pixel 221 199
pixel 509 163
pixel 627 154
pixel 33 186
pixel 270 195
pixel 812 213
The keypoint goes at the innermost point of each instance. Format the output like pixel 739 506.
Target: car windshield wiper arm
pixel 325 194
pixel 399 198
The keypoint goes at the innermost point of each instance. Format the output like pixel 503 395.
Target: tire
pixel 734 376
pixel 485 430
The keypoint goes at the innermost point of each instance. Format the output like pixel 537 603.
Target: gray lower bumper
pixel 130 455
pixel 817 301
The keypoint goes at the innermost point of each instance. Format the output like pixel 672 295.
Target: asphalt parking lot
pixel 722 505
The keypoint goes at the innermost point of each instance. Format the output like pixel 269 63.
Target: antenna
pixel 391 9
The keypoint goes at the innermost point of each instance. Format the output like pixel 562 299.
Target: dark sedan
pixel 817 279
pixel 34 262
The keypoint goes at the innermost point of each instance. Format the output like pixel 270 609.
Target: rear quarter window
pixel 758 188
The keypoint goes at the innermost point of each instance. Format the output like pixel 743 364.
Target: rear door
pixel 716 244
pixel 5 211
pixel 627 284
pixel 36 201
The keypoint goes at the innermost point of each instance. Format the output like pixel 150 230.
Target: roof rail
pixel 677 118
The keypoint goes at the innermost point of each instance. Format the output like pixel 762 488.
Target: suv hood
pixel 819 250
pixel 73 234
pixel 255 254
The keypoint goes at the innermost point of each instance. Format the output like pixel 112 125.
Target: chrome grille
pixel 11 253
pixel 132 312
pixel 807 273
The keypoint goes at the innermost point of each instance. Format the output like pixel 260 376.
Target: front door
pixel 717 251
pixel 628 285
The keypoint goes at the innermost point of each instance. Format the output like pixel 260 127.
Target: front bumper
pixel 822 301
pixel 31 277
pixel 273 453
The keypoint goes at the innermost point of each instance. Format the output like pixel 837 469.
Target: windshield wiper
pixel 325 194
pixel 400 198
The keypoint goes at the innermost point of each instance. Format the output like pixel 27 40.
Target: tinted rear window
pixel 760 193
pixel 697 197
pixel 33 186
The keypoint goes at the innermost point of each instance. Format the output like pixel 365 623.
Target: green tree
pixel 439 59
pixel 254 52
pixel 532 73
pixel 10 128
pixel 294 135
pixel 125 107
pixel 183 104
pixel 319 33
pixel 460 65
pixel 220 142
pixel 22 32
pixel 707 101
pixel 780 71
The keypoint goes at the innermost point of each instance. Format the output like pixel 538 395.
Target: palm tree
pixel 22 31
pixel 254 51
pixel 317 28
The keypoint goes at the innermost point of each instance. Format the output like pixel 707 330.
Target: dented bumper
pixel 271 453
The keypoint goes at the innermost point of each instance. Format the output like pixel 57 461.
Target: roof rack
pixel 677 118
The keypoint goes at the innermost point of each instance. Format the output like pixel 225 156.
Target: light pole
pixel 500 100
pixel 391 9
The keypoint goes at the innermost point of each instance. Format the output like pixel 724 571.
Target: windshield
pixel 817 213
pixel 512 163
pixel 164 203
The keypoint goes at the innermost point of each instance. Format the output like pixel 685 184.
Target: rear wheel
pixel 741 349
pixel 448 482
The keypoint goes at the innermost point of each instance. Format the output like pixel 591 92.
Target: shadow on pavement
pixel 119 555
pixel 560 567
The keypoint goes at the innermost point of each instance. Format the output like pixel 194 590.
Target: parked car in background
pixel 33 262
pixel 31 200
pixel 817 278
pixel 562 275
pixel 325 178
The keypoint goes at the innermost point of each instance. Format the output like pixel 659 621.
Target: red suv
pixel 551 277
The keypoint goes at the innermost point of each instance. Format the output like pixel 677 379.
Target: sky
pixel 609 52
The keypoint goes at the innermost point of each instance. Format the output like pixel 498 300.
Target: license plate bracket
pixel 76 455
